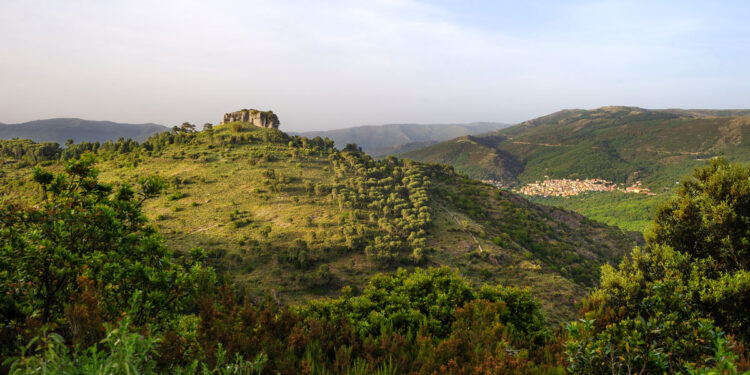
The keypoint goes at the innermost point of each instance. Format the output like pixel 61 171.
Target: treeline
pixel 27 153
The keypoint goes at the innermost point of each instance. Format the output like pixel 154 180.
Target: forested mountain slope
pixel 614 143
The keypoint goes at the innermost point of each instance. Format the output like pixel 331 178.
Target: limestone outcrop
pixel 263 119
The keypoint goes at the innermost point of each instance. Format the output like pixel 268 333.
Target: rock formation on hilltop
pixel 266 119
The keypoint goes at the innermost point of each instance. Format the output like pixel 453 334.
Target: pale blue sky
pixel 331 64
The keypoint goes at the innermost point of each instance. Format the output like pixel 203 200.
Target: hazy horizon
pixel 337 64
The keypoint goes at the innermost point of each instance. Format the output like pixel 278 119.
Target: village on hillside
pixel 567 187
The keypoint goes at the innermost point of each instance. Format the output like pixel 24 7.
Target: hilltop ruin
pixel 263 119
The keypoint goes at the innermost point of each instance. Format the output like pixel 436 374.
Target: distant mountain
pixel 61 129
pixel 709 112
pixel 616 143
pixel 391 139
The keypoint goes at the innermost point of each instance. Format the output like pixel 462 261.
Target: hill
pixel 392 139
pixel 614 143
pixel 61 129
pixel 296 218
pixel 620 144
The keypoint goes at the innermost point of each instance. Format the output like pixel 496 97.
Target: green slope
pixel 620 144
pixel 298 219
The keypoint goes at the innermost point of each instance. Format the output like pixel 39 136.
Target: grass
pixel 631 212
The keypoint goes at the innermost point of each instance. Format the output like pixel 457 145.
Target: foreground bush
pixel 666 308
pixel 84 255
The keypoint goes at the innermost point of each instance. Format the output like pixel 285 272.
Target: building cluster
pixel 636 188
pixel 495 183
pixel 565 187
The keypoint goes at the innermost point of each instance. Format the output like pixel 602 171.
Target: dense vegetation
pixel 87 285
pixel 85 259
pixel 668 307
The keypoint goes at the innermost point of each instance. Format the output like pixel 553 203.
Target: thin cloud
pixel 341 63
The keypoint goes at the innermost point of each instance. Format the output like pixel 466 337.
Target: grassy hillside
pixel 393 139
pixel 296 218
pixel 620 144
pixel 61 129
pixel 631 212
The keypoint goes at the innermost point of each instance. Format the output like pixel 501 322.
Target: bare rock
pixel 263 119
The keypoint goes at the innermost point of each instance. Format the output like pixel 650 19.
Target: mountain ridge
pixel 80 130
pixel 381 140
pixel 624 145
pixel 613 132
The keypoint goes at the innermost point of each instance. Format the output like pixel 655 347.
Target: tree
pixel 353 148
pixel 642 319
pixel 187 127
pixel 426 299
pixel 666 306
pixel 709 221
pixel 209 129
pixel 710 216
pixel 84 228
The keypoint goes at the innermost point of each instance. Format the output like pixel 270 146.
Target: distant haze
pixel 62 129
pixel 393 139
pixel 334 64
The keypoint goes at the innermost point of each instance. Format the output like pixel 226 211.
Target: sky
pixel 332 64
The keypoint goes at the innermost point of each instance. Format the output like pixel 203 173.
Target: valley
pixel 566 188
pixel 393 139
pixel 625 145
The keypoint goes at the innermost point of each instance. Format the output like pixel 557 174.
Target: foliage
pixel 396 190
pixel 665 308
pixel 417 322
pixel 123 352
pixel 709 216
pixel 708 221
pixel 642 320
pixel 86 252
